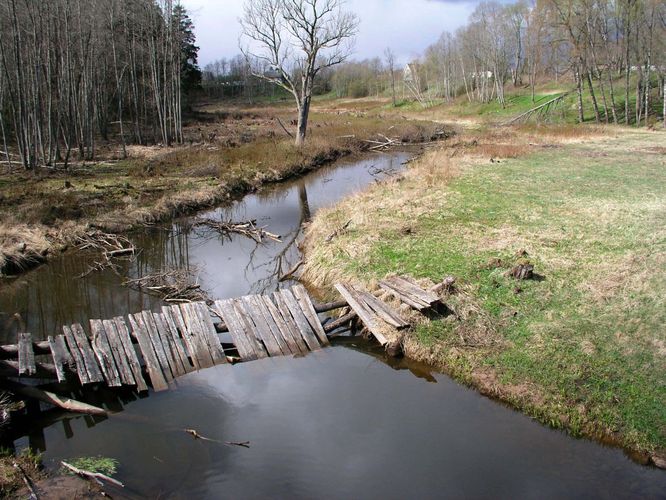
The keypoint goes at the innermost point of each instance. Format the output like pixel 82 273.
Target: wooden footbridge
pixel 155 347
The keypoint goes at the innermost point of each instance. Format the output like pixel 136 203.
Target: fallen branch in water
pixel 111 246
pixel 95 476
pixel 196 435
pixel 171 285
pixel 289 274
pixel 249 229
pixel 69 404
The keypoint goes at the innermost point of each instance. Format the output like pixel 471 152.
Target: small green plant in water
pixel 103 465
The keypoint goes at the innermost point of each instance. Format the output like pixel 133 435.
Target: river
pixel 342 422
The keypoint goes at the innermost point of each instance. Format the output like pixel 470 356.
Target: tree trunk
pixel 597 118
pixel 303 115
pixel 579 91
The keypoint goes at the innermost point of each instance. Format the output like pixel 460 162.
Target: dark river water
pixel 339 423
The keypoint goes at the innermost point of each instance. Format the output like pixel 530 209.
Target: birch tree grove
pixel 78 73
pixel 610 53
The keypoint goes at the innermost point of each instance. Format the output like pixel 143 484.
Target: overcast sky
pixel 407 26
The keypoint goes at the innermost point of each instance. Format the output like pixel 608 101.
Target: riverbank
pixel 582 346
pixel 232 150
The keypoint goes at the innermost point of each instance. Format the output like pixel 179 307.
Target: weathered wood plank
pixel 367 316
pixel 74 350
pixel 176 315
pixel 260 326
pixel 252 339
pixel 148 352
pixel 177 343
pixel 151 329
pixel 225 309
pixel 411 301
pixel 286 328
pixel 382 309
pixel 415 289
pixel 130 353
pixel 292 328
pixel 194 329
pixel 26 356
pixel 62 359
pixel 304 301
pixel 102 349
pixel 299 318
pixel 209 334
pixel 173 359
pixel 94 372
pixel 118 351
pixel 262 307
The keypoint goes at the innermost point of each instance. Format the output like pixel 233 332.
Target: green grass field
pixel 583 348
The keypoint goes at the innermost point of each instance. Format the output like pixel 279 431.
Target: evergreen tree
pixel 190 72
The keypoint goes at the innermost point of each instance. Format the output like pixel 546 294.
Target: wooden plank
pixel 367 316
pixel 308 309
pixel 291 329
pixel 402 296
pixel 148 352
pixel 118 351
pixel 94 372
pixel 260 326
pixel 102 349
pixel 130 353
pixel 74 350
pixel 209 333
pixel 382 309
pixel 164 333
pixel 261 304
pixel 177 344
pixel 252 339
pixel 151 328
pixel 176 316
pixel 415 289
pixel 26 355
pixel 287 330
pixel 194 329
pixel 301 321
pixel 225 309
pixel 61 357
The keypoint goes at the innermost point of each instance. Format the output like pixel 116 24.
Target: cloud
pixel 407 26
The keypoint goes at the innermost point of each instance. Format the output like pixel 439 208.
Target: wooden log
pixel 309 312
pixel 95 476
pixel 51 398
pixel 61 356
pixel 145 345
pixel 130 353
pixel 26 355
pixel 102 349
pixel 340 322
pixel 329 306
pixel 10 368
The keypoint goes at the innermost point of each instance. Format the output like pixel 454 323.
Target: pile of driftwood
pixel 248 228
pixel 111 246
pixel 171 285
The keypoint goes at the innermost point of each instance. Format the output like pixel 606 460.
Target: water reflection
pixel 227 266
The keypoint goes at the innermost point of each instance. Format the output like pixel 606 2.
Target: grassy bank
pixel 230 150
pixel 583 347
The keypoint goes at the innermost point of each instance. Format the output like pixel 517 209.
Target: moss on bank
pixel 583 347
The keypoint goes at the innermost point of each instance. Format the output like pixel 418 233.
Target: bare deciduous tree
pixel 297 39
pixel 389 56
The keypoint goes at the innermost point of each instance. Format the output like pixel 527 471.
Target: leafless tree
pixel 297 39
pixel 389 57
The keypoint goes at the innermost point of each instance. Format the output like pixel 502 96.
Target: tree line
pixel 77 72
